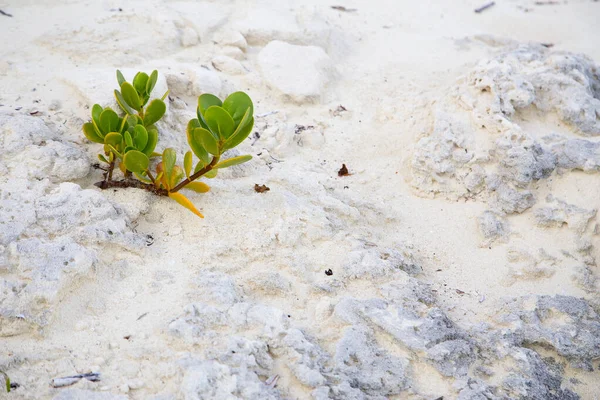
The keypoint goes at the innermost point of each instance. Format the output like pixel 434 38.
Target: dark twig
pixel 131 183
pixel 484 7
pixel 5 13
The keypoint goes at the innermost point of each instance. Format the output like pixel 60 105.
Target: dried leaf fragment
pixel 343 171
pixel 261 188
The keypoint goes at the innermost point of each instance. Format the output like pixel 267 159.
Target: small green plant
pixel 130 141
pixel 6 380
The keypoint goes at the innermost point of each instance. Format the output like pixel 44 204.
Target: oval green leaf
pixel 140 137
pixel 151 81
pixel 187 163
pixel 152 140
pixel 130 96
pixel 194 144
pixel 114 139
pixel 128 139
pixel 176 176
pixel 136 161
pixel 120 78
pixel 169 157
pixel 239 136
pixel 121 102
pixel 140 81
pixel 96 111
pixel 155 111
pixel 230 162
pixel 207 140
pixel 207 100
pixel 109 121
pixel 90 132
pixel 236 104
pixel 219 122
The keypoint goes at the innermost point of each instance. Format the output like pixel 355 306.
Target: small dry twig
pixel 485 7
pixel 71 380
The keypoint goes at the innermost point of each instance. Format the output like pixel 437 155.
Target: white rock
pixel 233 52
pixel 231 38
pixel 194 82
pixel 189 37
pixel 300 73
pixel 228 65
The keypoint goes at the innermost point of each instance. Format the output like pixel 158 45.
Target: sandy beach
pixel 456 258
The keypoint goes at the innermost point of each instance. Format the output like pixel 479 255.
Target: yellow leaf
pixel 199 187
pixel 181 199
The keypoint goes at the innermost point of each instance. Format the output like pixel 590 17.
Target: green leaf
pixel 114 139
pixel 181 199
pixel 142 178
pixel 121 102
pixel 90 132
pixel 187 163
pixel 219 122
pixel 6 380
pixel 211 174
pixel 206 100
pixel 176 176
pixel 120 78
pixel 140 137
pixel 140 81
pixel 110 147
pixel 133 120
pixel 156 109
pixel 136 161
pixel 169 158
pixel 96 111
pixel 103 159
pixel 128 140
pixel 199 187
pixel 151 81
pixel 164 96
pixel 239 136
pixel 109 121
pixel 230 162
pixel 152 140
pixel 207 140
pixel 236 105
pixel 130 96
pixel 194 144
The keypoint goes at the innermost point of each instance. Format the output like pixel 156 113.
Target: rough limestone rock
pixel 492 226
pixel 564 83
pixel 477 147
pixel 32 151
pixel 562 213
pixel 46 232
pixel 370 369
pixel 299 73
pixel 567 324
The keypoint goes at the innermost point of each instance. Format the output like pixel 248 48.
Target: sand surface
pixel 462 246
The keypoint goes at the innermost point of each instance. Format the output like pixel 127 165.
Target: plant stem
pixel 131 183
pixel 111 166
pixel 197 175
pixel 150 176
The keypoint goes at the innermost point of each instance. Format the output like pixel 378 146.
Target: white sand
pixel 254 267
